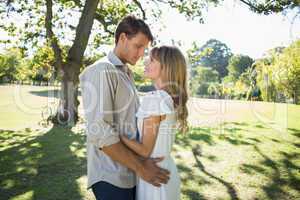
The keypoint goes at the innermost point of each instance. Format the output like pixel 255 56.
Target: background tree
pixel 265 79
pixel 213 54
pixel 9 62
pixel 242 85
pixel 203 78
pixel 216 90
pixel 41 65
pixel 50 21
pixel 287 71
pixel 71 22
pixel 238 64
pixel 267 6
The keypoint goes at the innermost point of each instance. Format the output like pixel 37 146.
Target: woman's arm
pixel 150 130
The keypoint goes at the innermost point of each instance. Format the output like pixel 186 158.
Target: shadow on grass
pixel 232 132
pixel 186 173
pixel 193 195
pixel 236 123
pixel 195 134
pixel 230 189
pixel 279 170
pixel 192 140
pixel 259 126
pixel 41 165
pixel 234 140
pixel 295 132
pixel 49 93
pixel 271 169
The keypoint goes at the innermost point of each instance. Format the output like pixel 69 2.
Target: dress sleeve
pixel 155 104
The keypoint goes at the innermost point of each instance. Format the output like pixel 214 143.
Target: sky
pixel 242 30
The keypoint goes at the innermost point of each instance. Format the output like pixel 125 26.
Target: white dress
pixel 156 103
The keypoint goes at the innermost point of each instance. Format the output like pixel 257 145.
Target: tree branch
pixel 51 37
pixel 8 2
pixel 162 1
pixel 83 31
pixel 98 17
pixel 105 24
pixel 77 3
pixel 250 5
pixel 141 8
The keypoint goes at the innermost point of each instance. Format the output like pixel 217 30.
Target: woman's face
pixel 152 68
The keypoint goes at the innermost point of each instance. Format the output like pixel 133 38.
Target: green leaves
pixel 287 71
pixel 202 79
pixel 213 53
pixel 237 65
pixel 267 6
pixel 192 9
pixel 279 73
pixel 9 63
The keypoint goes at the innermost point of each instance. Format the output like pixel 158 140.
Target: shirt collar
pixel 113 58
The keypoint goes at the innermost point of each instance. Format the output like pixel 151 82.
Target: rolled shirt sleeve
pixel 98 86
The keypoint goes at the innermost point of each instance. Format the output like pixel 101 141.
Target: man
pixel 110 102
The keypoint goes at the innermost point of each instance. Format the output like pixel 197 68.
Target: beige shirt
pixel 110 102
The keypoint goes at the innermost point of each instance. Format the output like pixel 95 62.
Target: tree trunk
pixel 296 96
pixel 67 113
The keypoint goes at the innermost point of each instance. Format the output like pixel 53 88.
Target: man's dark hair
pixel 130 25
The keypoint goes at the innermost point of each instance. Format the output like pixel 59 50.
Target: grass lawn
pixel 235 150
pixel 22 106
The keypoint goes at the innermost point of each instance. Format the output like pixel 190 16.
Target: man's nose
pixel 142 53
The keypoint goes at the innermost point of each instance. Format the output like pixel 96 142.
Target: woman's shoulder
pixel 158 94
pixel 157 97
pixel 157 102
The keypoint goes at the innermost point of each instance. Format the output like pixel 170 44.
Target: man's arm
pixel 98 93
pixel 144 168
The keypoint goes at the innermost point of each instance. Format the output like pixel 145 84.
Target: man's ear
pixel 122 37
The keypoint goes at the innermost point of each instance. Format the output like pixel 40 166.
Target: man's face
pixel 133 48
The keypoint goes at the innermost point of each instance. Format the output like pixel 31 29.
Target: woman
pixel 161 113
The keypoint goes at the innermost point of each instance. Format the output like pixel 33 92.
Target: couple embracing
pixel 129 142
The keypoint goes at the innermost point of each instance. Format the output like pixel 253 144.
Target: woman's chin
pixel 147 77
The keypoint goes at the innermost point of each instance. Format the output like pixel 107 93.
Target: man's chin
pixel 132 62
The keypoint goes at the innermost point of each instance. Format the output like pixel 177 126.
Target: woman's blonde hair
pixel 174 78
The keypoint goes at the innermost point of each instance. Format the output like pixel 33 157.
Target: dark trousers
pixel 106 191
